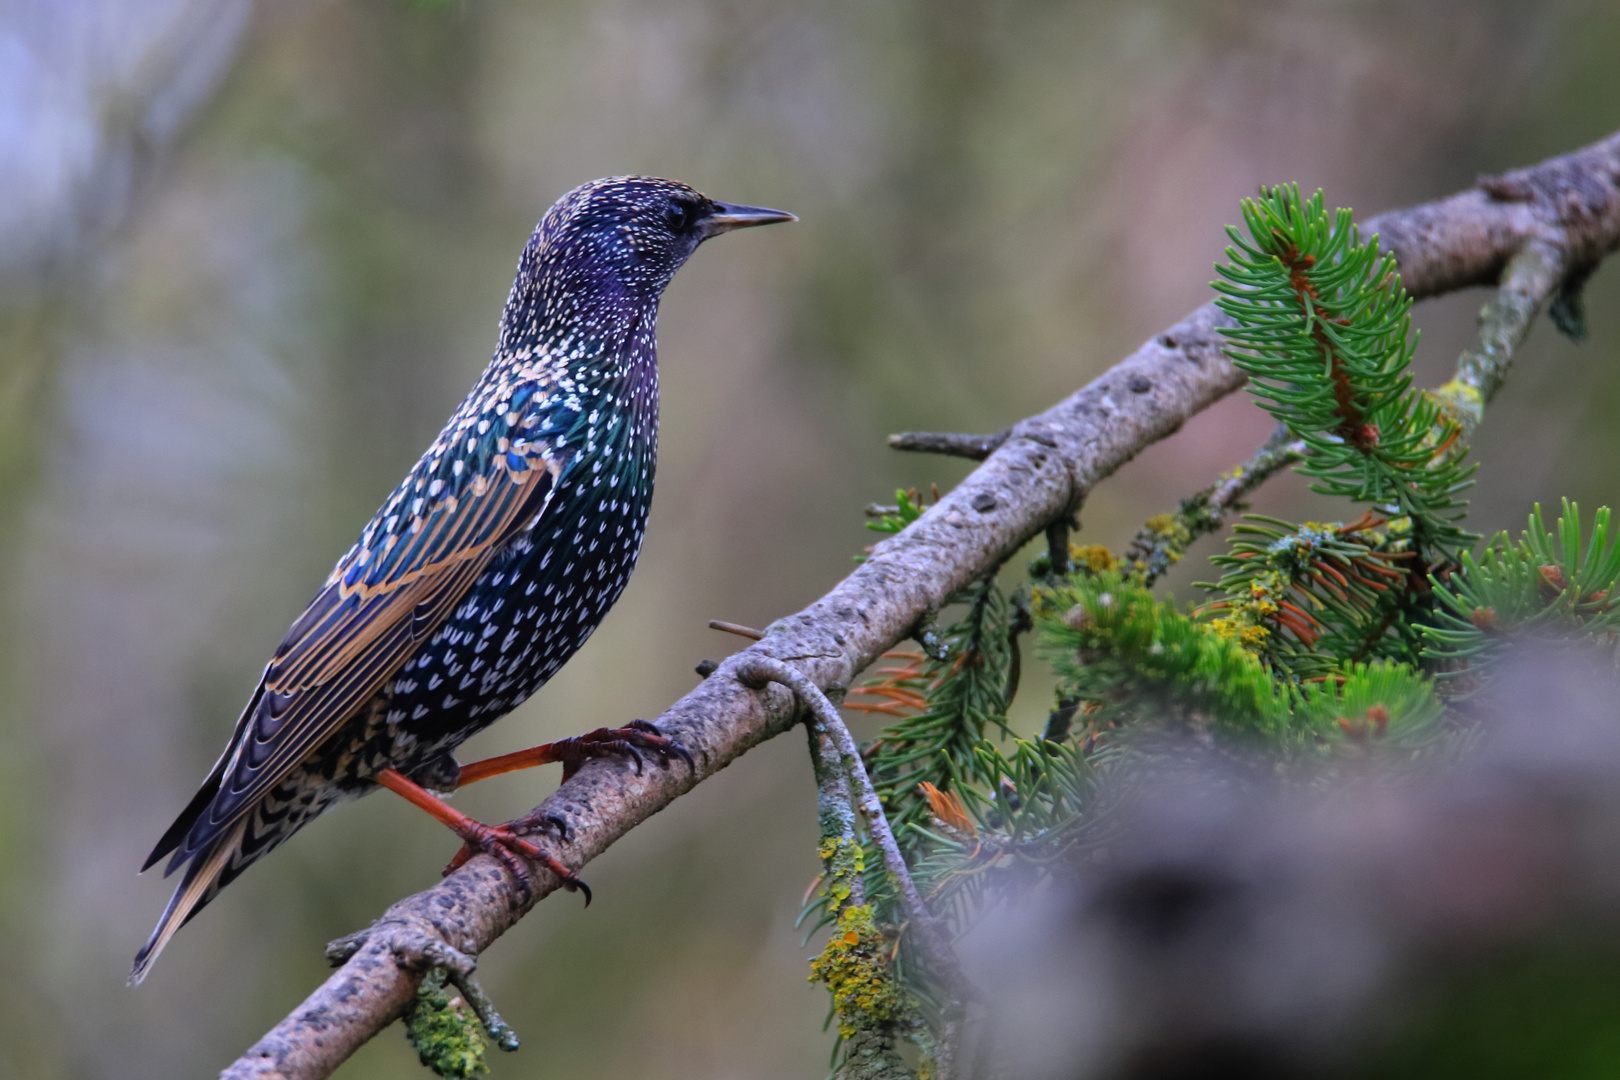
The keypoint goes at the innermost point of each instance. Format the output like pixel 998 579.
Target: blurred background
pixel 252 255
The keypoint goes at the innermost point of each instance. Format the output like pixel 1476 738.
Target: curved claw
pixel 633 740
pixel 685 755
pixel 565 831
pixel 666 747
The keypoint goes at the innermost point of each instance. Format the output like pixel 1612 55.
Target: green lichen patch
pixel 445 1033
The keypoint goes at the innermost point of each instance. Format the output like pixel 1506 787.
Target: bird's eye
pixel 682 216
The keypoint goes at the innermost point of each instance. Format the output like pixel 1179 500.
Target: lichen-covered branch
pixel 870 1005
pixel 1532 278
pixel 1038 475
pixel 758 670
pixel 836 748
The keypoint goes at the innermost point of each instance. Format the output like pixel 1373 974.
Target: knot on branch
pixel 422 952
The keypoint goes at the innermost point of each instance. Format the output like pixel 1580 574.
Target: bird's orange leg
pixel 504 842
pixel 633 739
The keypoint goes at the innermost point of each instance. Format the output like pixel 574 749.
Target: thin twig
pixel 737 628
pixel 972 447
pixel 1163 540
pixel 758 670
pixel 1057 547
pixel 870 1052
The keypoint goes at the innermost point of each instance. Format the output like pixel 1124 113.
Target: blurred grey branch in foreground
pixel 1568 208
pixel 1239 928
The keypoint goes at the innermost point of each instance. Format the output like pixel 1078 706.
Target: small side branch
pixel 928 931
pixel 972 447
pixel 871 1008
pixel 835 749
pixel 1160 543
pixel 1532 277
pixel 432 954
pixel 736 628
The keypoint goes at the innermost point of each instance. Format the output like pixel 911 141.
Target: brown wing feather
pixel 360 630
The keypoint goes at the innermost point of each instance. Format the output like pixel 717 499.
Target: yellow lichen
pixel 1247 618
pixel 854 967
pixel 1093 557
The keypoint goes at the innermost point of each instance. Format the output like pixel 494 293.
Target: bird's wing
pixel 394 588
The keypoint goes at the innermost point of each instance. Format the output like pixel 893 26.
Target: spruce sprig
pixel 965 696
pixel 1136 659
pixel 1140 661
pixel 1324 332
pixel 1032 816
pixel 1548 585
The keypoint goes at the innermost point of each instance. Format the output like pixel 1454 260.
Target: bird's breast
pixel 532 609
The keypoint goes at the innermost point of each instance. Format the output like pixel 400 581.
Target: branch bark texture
pixel 1041 472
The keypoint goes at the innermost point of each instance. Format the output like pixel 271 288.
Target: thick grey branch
pixel 1038 475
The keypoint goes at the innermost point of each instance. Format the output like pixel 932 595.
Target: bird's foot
pixel 508 844
pixel 634 739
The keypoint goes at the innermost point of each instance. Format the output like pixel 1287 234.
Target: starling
pixel 486 568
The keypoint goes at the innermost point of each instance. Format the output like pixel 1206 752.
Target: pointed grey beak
pixel 728 216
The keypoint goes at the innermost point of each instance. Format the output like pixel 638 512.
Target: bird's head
pixel 634 231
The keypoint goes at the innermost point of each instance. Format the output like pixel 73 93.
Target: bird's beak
pixel 728 216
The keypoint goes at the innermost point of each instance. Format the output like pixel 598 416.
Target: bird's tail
pixel 207 873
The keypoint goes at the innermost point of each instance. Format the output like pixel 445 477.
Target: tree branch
pixel 1038 475
pixel 972 447
pixel 870 1052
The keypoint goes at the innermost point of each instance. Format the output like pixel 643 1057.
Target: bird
pixel 484 571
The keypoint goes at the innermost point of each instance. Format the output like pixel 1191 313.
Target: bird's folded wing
pixel 390 593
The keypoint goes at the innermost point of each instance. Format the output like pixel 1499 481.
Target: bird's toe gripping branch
pixel 506 843
pixel 636 738
pixel 633 740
